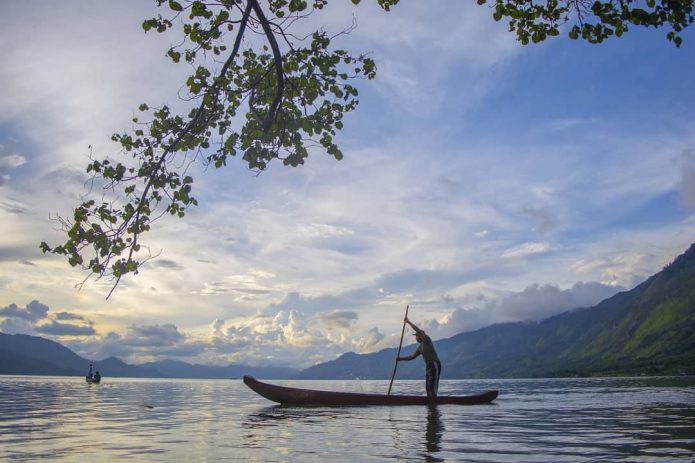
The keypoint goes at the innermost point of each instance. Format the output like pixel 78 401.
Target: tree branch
pixel 278 65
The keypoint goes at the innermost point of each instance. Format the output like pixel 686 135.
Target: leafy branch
pixel 293 98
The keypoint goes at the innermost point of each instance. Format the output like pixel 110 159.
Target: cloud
pixel 17 326
pixel 67 316
pixel 527 249
pixel 167 334
pixel 36 318
pixel 142 343
pixel 65 329
pixel 292 337
pixel 537 302
pixel 371 342
pixel 534 303
pixel 13 207
pixel 618 267
pixel 165 263
pixel 338 319
pixel 9 162
pixel 216 328
pixel 33 311
pixel 240 287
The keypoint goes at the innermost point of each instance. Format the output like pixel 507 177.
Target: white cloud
pixel 526 249
pixel 9 162
pixel 533 303
pixel 618 267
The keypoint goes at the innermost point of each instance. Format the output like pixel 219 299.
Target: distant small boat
pixel 93 379
pixel 295 396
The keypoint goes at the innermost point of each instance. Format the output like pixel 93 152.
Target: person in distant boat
pixel 433 367
pixel 90 375
pixel 97 377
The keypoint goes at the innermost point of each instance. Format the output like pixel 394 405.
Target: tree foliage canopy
pixel 273 101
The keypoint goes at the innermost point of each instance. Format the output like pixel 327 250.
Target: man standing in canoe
pixel 433 366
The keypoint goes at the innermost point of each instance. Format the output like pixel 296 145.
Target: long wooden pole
pixel 398 354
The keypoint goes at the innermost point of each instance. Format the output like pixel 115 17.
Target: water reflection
pixel 433 435
pixel 275 414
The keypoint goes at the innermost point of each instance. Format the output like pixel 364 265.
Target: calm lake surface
pixel 573 420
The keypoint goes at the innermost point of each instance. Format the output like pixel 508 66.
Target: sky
pixel 483 181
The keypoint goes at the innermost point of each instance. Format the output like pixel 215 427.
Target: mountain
pixel 177 369
pixel 22 354
pixel 113 366
pixel 32 355
pixel 649 329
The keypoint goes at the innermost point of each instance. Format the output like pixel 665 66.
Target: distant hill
pixel 33 355
pixel 649 329
pixel 177 369
pixel 22 354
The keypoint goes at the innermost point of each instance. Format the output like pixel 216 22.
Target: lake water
pixel 149 420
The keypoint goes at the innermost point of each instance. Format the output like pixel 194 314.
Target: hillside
pixel 33 355
pixel 649 329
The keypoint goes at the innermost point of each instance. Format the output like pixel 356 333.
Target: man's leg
pixel 438 373
pixel 430 379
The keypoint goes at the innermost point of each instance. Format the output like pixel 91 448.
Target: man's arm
pixel 410 357
pixel 417 330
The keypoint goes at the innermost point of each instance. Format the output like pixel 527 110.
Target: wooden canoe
pixel 295 396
